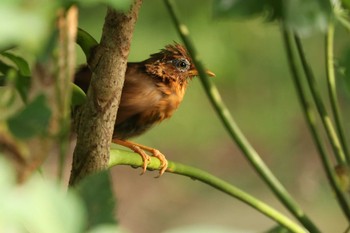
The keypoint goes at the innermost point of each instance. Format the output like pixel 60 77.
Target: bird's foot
pixel 140 149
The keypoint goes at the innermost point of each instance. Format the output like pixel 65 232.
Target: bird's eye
pixel 181 64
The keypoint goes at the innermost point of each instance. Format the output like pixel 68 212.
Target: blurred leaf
pixel 32 120
pixel 4 68
pixel 346 4
pixel 21 64
pixel 238 8
pixel 278 229
pixel 78 95
pixel 303 16
pixel 307 16
pixel 96 192
pixel 26 23
pixel 123 5
pixel 56 211
pixel 20 77
pixel 22 86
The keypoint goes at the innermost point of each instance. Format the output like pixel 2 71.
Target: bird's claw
pixel 163 162
pixel 147 159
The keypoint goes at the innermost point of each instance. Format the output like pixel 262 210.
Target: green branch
pixel 310 113
pixel 121 157
pixel 322 111
pixel 332 90
pixel 234 131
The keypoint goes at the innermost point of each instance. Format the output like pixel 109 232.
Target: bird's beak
pixel 195 73
pixel 211 74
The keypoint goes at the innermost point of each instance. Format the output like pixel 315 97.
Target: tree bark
pixel 96 118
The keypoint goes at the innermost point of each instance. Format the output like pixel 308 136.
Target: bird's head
pixel 172 63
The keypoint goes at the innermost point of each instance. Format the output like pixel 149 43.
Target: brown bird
pixel 153 90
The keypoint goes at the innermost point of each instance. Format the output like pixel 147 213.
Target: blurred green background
pixel 248 58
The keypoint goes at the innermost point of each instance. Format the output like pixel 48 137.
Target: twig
pixel 332 90
pixel 322 111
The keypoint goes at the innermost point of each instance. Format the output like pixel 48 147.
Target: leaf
pixel 21 64
pixel 32 120
pixel 86 42
pixel 238 8
pixel 4 68
pixel 78 95
pixel 98 197
pixel 56 211
pixel 307 16
pixel 16 15
pixel 303 16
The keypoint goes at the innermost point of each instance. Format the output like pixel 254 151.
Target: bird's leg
pixel 140 149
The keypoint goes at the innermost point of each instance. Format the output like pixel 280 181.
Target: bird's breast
pixel 145 103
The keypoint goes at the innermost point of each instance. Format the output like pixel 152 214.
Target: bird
pixel 153 90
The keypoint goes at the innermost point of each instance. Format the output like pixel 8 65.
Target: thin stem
pixel 333 90
pixel 234 131
pixel 120 157
pixel 310 113
pixel 326 120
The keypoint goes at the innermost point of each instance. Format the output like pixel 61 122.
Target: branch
pixel 310 113
pixel 121 157
pixel 96 118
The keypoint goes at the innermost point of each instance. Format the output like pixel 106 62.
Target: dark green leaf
pixel 96 192
pixel 21 64
pixel 32 120
pixel 4 68
pixel 346 4
pixel 22 86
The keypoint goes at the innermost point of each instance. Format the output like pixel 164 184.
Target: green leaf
pixel 21 64
pixel 238 8
pixel 96 192
pixel 307 16
pixel 32 120
pixel 17 15
pixel 56 211
pixel 78 95
pixel 303 16
pixel 22 86
pixel 5 68
pixel 86 42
